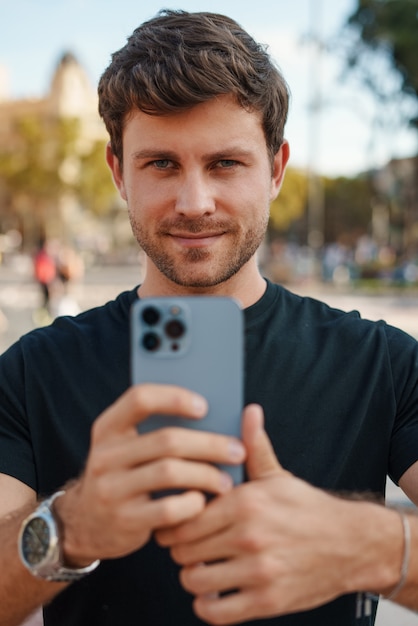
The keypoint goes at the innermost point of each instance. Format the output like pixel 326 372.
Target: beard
pixel 200 267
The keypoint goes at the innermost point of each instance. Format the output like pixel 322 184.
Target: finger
pixel 261 458
pixel 170 473
pixel 129 452
pixel 215 578
pixel 173 510
pixel 191 444
pixel 216 516
pixel 233 608
pixel 215 547
pixel 141 401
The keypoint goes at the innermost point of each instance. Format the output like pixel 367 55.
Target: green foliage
pixel 290 205
pixel 48 158
pixel 96 189
pixel 348 207
pixel 32 167
pixel 385 41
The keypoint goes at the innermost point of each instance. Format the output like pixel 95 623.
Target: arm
pixel 20 593
pixel 285 546
pixel 409 483
pixel 108 512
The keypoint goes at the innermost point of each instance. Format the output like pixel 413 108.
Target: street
pixel 20 298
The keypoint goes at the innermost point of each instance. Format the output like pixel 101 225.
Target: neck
pixel 247 286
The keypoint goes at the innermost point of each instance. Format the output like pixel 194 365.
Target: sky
pixel 336 139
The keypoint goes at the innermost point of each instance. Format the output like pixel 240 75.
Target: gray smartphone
pixel 195 342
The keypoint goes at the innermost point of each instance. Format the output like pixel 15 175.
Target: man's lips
pixel 196 240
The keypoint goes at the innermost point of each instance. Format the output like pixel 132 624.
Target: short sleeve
pixel 403 351
pixel 16 453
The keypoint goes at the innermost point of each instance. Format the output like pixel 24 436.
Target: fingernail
pixel 200 405
pixel 226 482
pixel 236 451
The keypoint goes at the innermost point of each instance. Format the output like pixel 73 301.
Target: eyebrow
pixel 226 153
pixel 154 154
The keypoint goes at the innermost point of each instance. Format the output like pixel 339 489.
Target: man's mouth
pixel 196 240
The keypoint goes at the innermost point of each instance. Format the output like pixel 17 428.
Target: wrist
pixel 378 547
pixel 73 549
pixel 40 545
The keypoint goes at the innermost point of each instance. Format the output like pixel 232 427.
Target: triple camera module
pixel 162 327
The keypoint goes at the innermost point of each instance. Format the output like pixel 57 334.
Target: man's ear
pixel 113 163
pixel 279 167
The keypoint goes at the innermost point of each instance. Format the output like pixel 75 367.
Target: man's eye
pixel 162 164
pixel 225 163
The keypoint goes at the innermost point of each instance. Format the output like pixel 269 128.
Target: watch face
pixel 35 541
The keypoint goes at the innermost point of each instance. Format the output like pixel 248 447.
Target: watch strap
pixel 54 568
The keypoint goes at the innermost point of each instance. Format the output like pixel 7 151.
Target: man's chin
pixel 195 279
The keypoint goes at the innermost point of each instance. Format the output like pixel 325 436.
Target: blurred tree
pixel 50 159
pixel 96 189
pixel 383 48
pixel 290 205
pixel 30 172
pixel 348 208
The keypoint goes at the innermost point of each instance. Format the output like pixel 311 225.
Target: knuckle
pixel 249 540
pixel 167 473
pixel 140 398
pixel 250 505
pixel 168 441
pixel 263 569
pixel 98 462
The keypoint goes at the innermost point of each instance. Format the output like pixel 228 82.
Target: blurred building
pixel 51 149
pixel 71 95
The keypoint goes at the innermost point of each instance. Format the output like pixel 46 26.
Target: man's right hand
pixel 109 511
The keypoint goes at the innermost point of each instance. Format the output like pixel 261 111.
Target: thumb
pixel 261 458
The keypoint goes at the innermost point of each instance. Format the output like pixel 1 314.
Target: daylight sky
pixel 337 140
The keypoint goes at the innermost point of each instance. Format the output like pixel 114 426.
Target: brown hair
pixel 179 59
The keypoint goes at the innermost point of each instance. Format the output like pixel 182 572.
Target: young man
pixel 195 111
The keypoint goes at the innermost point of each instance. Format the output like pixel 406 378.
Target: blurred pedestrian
pixel 45 272
pixel 196 110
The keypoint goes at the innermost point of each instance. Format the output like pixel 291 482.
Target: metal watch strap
pixel 63 572
pixel 55 570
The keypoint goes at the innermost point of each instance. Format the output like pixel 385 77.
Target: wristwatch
pixel 40 549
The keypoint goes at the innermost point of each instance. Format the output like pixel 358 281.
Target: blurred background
pixel 346 221
pixel 345 226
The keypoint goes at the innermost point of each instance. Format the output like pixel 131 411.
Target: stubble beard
pixel 184 269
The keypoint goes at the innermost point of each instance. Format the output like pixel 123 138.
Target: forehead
pixel 218 120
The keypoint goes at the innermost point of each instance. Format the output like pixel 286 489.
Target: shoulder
pixel 87 331
pixel 311 318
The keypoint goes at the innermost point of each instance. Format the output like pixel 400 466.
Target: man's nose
pixel 194 196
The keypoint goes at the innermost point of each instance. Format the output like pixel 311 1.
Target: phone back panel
pixel 195 342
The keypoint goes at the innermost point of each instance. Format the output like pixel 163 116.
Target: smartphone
pixel 195 342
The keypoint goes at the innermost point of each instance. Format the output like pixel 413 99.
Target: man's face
pixel 198 186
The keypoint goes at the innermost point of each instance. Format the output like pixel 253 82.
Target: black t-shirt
pixel 340 396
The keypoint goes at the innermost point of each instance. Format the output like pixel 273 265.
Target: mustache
pixel 194 226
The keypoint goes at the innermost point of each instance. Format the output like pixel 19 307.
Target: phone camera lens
pixel 151 342
pixel 174 329
pixel 151 315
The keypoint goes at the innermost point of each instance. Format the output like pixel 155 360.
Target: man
pixel 195 110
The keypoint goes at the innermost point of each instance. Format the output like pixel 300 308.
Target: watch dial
pixel 35 541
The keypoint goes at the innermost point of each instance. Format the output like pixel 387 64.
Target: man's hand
pixel 277 544
pixel 109 511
